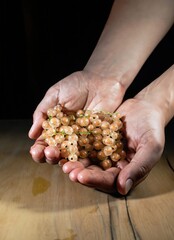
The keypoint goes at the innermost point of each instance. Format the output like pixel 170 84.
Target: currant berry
pixel 108 150
pixel 84 122
pixel 54 122
pixel 106 164
pixel 115 157
pixel 45 124
pixel 51 112
pixel 59 138
pixel 73 157
pixel 80 113
pixel 104 125
pixel 101 155
pixel 98 145
pixel 83 153
pixel 109 141
pixel 65 121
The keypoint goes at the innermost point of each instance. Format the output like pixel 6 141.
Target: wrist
pixel 160 94
pixel 97 79
pixel 123 75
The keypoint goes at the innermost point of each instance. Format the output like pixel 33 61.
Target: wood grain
pixel 38 201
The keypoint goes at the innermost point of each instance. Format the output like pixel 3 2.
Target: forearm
pixel 133 30
pixel 160 93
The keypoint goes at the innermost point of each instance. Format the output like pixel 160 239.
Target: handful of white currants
pixel 86 134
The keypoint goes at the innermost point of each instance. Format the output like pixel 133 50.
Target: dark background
pixel 44 41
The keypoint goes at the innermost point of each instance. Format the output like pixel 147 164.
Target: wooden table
pixel 38 201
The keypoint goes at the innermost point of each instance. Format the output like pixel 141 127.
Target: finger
pixel 52 155
pixel 70 166
pixel 73 175
pixel 62 162
pixel 122 164
pixel 74 168
pixel 37 152
pixel 103 180
pixel 36 129
pixel 138 169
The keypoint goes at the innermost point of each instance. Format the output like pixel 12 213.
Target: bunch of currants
pixel 86 134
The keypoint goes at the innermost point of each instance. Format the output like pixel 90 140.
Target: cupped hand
pixel 80 90
pixel 144 128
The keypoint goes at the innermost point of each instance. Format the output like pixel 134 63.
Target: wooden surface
pixel 38 201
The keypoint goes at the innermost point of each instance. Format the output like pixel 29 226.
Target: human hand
pixel 77 91
pixel 145 136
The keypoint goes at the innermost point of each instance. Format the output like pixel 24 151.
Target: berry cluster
pixel 85 133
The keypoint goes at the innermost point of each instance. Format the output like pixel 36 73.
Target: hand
pixel 77 91
pixel 145 135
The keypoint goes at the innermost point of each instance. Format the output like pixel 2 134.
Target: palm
pixel 77 91
pixel 145 135
pixel 143 127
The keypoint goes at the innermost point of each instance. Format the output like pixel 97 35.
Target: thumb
pixel 36 129
pixel 40 114
pixel 138 169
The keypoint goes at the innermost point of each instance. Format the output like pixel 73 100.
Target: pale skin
pixel 128 38
pixel 146 116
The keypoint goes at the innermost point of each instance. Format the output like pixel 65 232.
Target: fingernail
pixel 129 184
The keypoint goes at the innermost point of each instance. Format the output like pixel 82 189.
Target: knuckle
pixel 158 147
pixel 141 172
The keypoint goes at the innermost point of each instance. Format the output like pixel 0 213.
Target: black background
pixel 44 41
